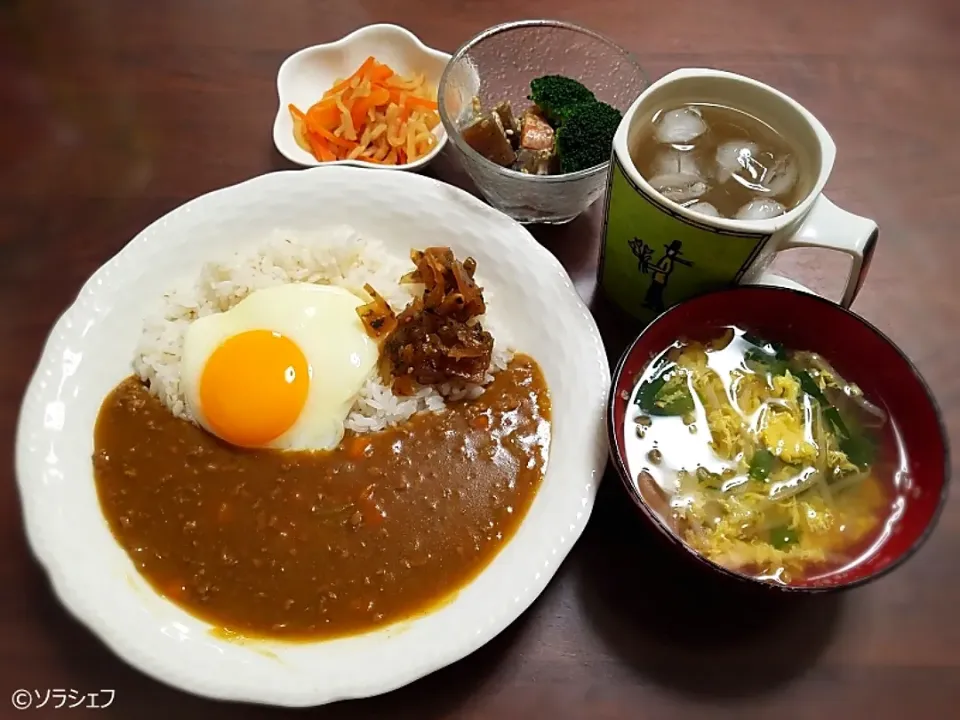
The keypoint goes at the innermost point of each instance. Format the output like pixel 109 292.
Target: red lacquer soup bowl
pixel 863 356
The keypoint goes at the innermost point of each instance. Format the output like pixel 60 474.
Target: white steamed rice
pixel 338 256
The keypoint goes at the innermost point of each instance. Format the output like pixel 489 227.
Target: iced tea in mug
pixel 712 174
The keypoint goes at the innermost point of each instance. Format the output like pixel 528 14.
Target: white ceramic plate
pixel 90 350
pixel 306 75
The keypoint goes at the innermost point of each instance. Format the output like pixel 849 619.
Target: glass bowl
pixel 498 64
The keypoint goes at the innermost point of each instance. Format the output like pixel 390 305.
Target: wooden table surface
pixel 113 113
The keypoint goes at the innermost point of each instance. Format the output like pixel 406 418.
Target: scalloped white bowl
pixel 91 348
pixel 307 74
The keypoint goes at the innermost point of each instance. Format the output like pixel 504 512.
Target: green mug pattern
pixel 651 258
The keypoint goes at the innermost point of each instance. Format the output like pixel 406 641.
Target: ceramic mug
pixel 656 253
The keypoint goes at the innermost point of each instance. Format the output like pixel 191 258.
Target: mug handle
pixel 828 226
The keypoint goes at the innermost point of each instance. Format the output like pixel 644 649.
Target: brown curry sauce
pixel 300 545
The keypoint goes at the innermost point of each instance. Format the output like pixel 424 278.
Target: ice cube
pixel 760 209
pixel 704 208
pixel 679 187
pixel 670 161
pixel 679 127
pixel 737 157
pixel 781 178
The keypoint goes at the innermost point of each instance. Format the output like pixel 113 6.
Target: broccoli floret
pixel 586 137
pixel 557 95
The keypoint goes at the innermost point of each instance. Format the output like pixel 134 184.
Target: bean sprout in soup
pixel 764 459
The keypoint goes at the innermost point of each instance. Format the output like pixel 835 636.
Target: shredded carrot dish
pixel 375 115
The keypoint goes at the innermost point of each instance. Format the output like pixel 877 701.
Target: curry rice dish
pixel 335 496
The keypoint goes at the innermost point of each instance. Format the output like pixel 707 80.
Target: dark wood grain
pixel 113 113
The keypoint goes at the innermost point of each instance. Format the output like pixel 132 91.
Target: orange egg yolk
pixel 254 387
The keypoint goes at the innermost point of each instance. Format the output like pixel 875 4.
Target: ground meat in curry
pixel 319 545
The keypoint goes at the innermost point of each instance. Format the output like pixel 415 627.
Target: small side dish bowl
pixel 498 64
pixel 307 74
pixel 861 354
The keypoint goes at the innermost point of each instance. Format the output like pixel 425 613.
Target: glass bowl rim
pixel 453 133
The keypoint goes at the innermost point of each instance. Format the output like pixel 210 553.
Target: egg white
pixel 322 321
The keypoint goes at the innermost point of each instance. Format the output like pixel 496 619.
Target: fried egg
pixel 281 369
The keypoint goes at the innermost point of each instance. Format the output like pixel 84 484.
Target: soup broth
pixel 763 460
pixel 720 161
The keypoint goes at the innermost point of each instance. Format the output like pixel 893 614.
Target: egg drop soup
pixel 763 459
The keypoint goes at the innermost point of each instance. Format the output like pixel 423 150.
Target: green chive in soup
pixel 763 459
